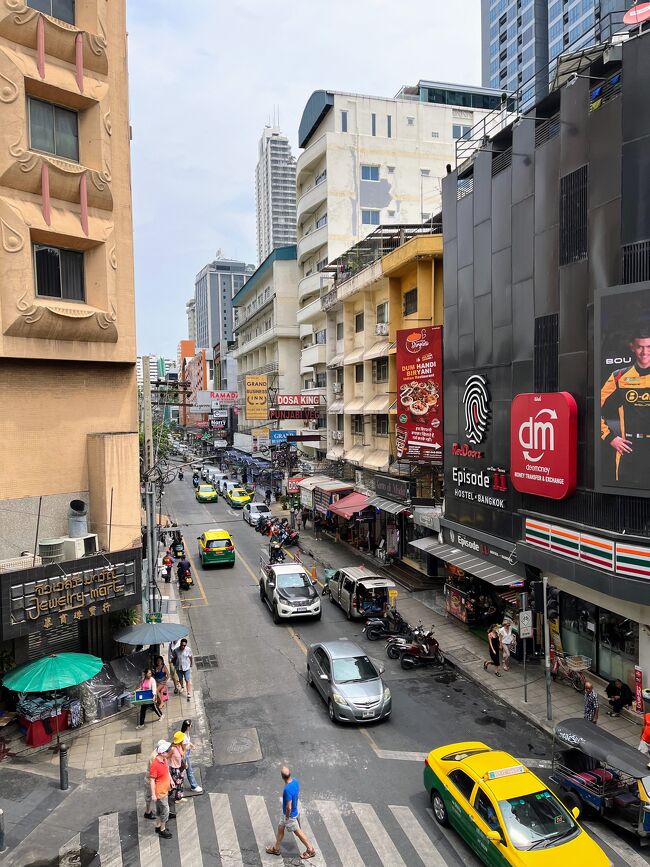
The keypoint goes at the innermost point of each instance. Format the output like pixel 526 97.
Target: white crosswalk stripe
pixel 378 835
pixel 262 827
pixel 110 851
pixel 70 853
pixel 419 838
pixel 229 850
pixel 317 860
pixel 339 834
pixel 190 847
pixel 147 838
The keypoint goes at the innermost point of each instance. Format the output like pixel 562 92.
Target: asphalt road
pixel 359 784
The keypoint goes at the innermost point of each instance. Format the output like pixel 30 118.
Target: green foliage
pixel 162 441
pixel 122 619
pixel 7 662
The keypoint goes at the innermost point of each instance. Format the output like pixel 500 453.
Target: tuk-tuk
pixel 602 776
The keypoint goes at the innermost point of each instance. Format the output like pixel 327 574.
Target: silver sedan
pixel 349 682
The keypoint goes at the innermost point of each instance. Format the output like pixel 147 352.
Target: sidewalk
pixel 467 652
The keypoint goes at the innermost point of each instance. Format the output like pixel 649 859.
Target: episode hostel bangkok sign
pixel 418 431
pixel 543 444
pixel 257 397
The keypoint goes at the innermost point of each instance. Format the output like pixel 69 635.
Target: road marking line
pixel 618 845
pixel 195 572
pixel 188 834
pixel 343 842
pixel 318 859
pixel 381 842
pixel 248 569
pixel 69 853
pixel 110 848
pixel 262 827
pixel 418 837
pixel 229 850
pixel 301 644
pixel 147 838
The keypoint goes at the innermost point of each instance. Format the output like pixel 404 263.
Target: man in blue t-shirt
pixel 290 820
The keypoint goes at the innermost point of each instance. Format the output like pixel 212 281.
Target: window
pixel 573 216
pixel 389 126
pixel 460 131
pixel 382 313
pixel 339 331
pixel 322 264
pixel 373 124
pixel 59 273
pixel 339 422
pixel 53 129
pixel 369 218
pixel 321 380
pixel 463 783
pixel 435 134
pixel 369 173
pixel 344 121
pixel 61 9
pixel 381 370
pixel 391 170
pixel 321 221
pixel 410 121
pixel 358 322
pixel 486 811
pixel 381 425
pixel 425 172
pixel 357 424
pixel 410 301
pixel 321 336
pixel 358 372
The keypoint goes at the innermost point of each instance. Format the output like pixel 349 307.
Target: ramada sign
pixel 543 444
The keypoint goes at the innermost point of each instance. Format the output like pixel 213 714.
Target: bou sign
pixel 543 444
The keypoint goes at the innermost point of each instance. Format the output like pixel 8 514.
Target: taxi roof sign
pixel 505 772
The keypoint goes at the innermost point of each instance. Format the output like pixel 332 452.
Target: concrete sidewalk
pixel 467 652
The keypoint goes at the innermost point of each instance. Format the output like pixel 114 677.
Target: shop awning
pixel 355 455
pixel 376 460
pixel 311 482
pixel 388 505
pixel 354 406
pixel 334 453
pixel 354 357
pixel 348 506
pixel 474 565
pixel 377 350
pixel 378 404
pixel 335 406
pixel 337 361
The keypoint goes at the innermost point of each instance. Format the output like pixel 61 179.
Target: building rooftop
pixel 280 254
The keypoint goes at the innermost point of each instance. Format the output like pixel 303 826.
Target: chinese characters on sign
pixel 418 432
pixel 73 592
pixel 257 397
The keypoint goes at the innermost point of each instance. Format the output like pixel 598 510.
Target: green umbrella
pixel 53 672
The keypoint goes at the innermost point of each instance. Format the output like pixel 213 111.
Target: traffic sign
pixel 393 594
pixel 154 617
pixel 525 624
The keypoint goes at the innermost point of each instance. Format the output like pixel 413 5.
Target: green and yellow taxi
pixel 216 546
pixel 206 494
pixel 238 498
pixel 503 811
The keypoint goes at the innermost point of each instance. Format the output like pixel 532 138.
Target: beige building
pixel 67 324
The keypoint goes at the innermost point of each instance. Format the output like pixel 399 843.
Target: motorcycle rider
pixel 180 475
pixel 183 569
pixel 167 562
pixel 276 554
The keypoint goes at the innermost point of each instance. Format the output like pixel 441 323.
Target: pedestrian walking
pixel 148 684
pixel 186 728
pixel 161 676
pixel 148 812
pixel 644 743
pixel 318 523
pixel 160 783
pixel 298 520
pixel 290 820
pixel 184 661
pixel 591 703
pixel 494 643
pixel 507 642
pixel 619 696
pixel 168 562
pixel 305 518
pixel 171 660
pixel 177 766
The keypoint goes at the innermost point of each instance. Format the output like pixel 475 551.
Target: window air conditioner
pixel 74 548
pixel 337 436
pixel 381 329
pixel 51 550
pixel 337 387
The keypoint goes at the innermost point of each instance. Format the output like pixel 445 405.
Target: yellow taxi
pixel 216 546
pixel 238 498
pixel 206 494
pixel 503 811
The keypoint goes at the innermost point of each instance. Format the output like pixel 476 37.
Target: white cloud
pixel 205 77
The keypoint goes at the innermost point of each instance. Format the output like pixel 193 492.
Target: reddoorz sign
pixel 543 444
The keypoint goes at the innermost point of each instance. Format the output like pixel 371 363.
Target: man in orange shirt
pixel 644 743
pixel 160 781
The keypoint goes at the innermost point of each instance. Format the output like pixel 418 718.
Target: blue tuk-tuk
pixel 602 776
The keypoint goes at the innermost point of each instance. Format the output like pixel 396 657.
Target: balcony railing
pixel 329 299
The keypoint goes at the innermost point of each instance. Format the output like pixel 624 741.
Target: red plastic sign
pixel 543 444
pixel 418 429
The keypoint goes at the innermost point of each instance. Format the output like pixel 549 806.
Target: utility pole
pixel 547 651
pixel 150 496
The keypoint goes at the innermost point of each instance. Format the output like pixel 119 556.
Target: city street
pixel 362 792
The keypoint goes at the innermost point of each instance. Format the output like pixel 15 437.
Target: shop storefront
pixel 355 521
pixel 392 507
pixel 425 522
pixel 306 487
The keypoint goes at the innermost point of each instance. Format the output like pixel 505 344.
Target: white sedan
pixel 252 512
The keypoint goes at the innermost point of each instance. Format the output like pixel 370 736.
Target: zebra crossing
pixel 234 831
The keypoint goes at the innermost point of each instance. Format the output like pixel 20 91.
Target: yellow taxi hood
pixel 581 850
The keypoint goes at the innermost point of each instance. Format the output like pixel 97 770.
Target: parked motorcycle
pixel 185 580
pixel 425 651
pixel 276 554
pixel 397 643
pixel 381 627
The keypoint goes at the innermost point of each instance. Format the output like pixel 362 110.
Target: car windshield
pixel 260 509
pixel 206 489
pixel 536 821
pixel 354 668
pixel 217 543
pixel 237 492
pixel 293 579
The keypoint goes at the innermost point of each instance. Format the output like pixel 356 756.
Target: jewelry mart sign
pixel 59 594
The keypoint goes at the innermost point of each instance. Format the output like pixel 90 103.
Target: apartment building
pixel 367 162
pixel 190 312
pixel 67 325
pixel 275 193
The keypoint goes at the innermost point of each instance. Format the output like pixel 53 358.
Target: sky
pixel 206 76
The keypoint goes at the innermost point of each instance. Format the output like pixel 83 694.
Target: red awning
pixel 347 506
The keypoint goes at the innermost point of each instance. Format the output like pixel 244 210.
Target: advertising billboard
pixel 418 430
pixel 298 400
pixel 257 397
pixel 279 437
pixel 544 444
pixel 622 384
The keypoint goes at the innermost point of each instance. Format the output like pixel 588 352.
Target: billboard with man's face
pixel 622 383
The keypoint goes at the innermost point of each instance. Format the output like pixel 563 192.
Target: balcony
pixel 309 312
pixel 264 337
pixel 312 355
pixel 310 201
pixel 312 284
pixel 329 299
pixel 308 244
pixel 308 159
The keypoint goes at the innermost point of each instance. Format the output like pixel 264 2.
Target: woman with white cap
pixel 507 638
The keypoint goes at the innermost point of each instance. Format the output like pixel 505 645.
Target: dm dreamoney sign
pixel 60 594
